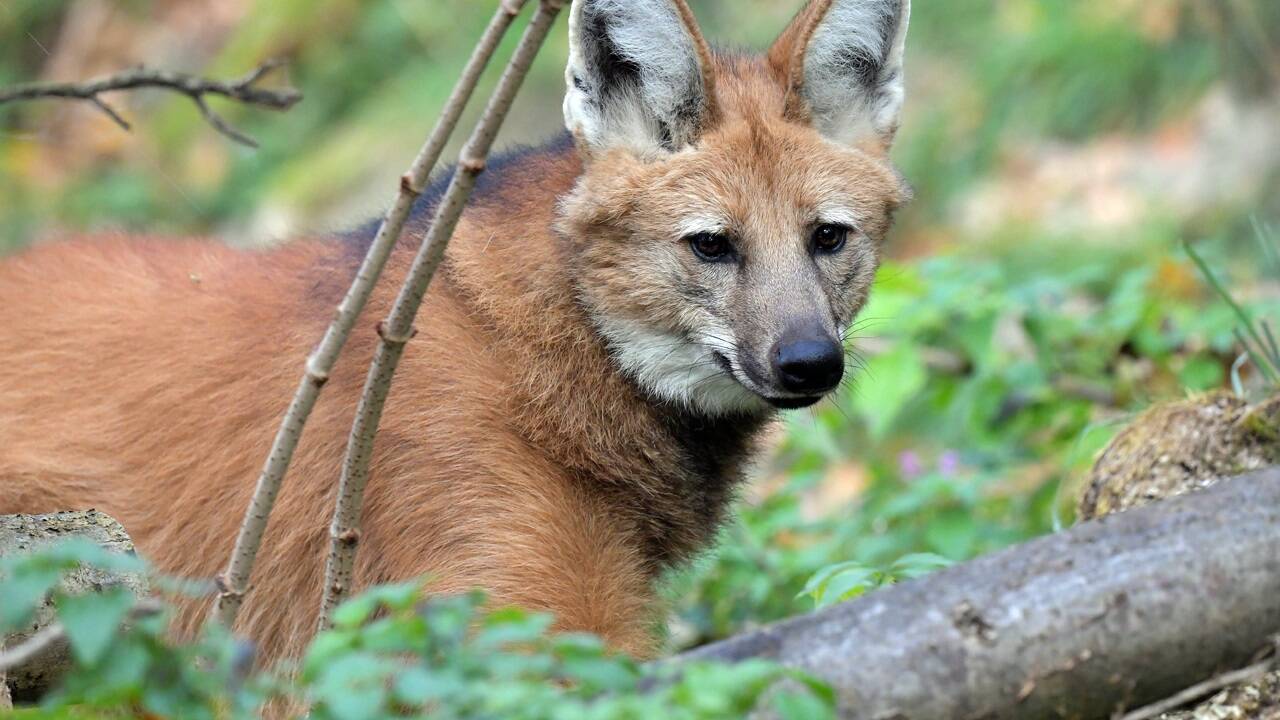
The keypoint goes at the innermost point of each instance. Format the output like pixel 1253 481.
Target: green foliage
pixel 123 657
pixel 844 581
pixel 390 654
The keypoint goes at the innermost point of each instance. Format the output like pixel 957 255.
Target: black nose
pixel 810 366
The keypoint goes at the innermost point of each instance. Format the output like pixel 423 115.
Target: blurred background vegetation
pixel 1036 295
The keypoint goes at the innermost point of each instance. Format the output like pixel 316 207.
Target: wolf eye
pixel 829 238
pixel 711 247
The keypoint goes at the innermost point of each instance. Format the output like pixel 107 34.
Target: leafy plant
pixel 847 580
pixel 391 654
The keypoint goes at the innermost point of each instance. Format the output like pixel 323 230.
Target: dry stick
pixel 398 328
pixel 1199 690
pixel 196 88
pixel 233 584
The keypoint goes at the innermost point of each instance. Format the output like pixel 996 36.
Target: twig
pixel 398 328
pixel 1199 690
pixel 52 633
pixel 233 584
pixel 244 90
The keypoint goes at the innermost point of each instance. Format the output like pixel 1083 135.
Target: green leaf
pixel 890 381
pixel 355 686
pixel 418 686
pixel 917 564
pixel 92 621
pixel 953 533
pixel 1201 373
pixel 399 596
pixel 23 591
pixel 839 582
pixel 512 626
pixel 793 705
pixel 601 674
pixel 353 613
pixel 326 646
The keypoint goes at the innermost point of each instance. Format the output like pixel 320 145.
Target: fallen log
pixel 1108 615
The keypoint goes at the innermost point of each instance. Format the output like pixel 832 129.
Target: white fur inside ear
pixel 853 79
pixel 634 78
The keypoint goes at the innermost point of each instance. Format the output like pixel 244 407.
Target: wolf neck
pixel 669 470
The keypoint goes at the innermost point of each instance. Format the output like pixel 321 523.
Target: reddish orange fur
pixel 146 377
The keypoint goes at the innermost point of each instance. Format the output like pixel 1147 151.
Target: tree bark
pixel 1106 616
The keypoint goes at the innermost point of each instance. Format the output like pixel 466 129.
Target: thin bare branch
pixel 398 328
pixel 244 90
pixel 1203 689
pixel 234 582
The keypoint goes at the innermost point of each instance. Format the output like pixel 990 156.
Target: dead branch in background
pixel 244 90
pixel 1108 615
pixel 234 582
pixel 398 328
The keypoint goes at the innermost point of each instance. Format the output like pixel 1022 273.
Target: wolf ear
pixel 842 61
pixel 638 75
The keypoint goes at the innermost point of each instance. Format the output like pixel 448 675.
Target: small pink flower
pixel 909 464
pixel 949 463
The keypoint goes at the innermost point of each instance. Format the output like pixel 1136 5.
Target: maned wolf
pixel 620 315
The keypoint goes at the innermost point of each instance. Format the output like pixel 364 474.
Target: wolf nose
pixel 808 367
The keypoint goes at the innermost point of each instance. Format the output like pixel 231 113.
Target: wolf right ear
pixel 638 75
pixel 842 60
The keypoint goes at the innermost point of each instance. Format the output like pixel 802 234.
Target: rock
pixel 28 533
pixel 1173 449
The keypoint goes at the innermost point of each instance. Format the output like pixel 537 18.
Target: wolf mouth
pixel 782 403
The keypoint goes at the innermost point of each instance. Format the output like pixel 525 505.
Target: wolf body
pixel 620 315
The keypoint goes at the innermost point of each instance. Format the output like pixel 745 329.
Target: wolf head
pixel 727 224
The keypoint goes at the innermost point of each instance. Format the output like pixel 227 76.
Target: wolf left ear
pixel 842 61
pixel 638 75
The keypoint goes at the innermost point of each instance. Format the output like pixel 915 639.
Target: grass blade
pixel 1272 350
pixel 1267 241
pixel 1262 366
pixel 1236 383
pixel 1240 312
